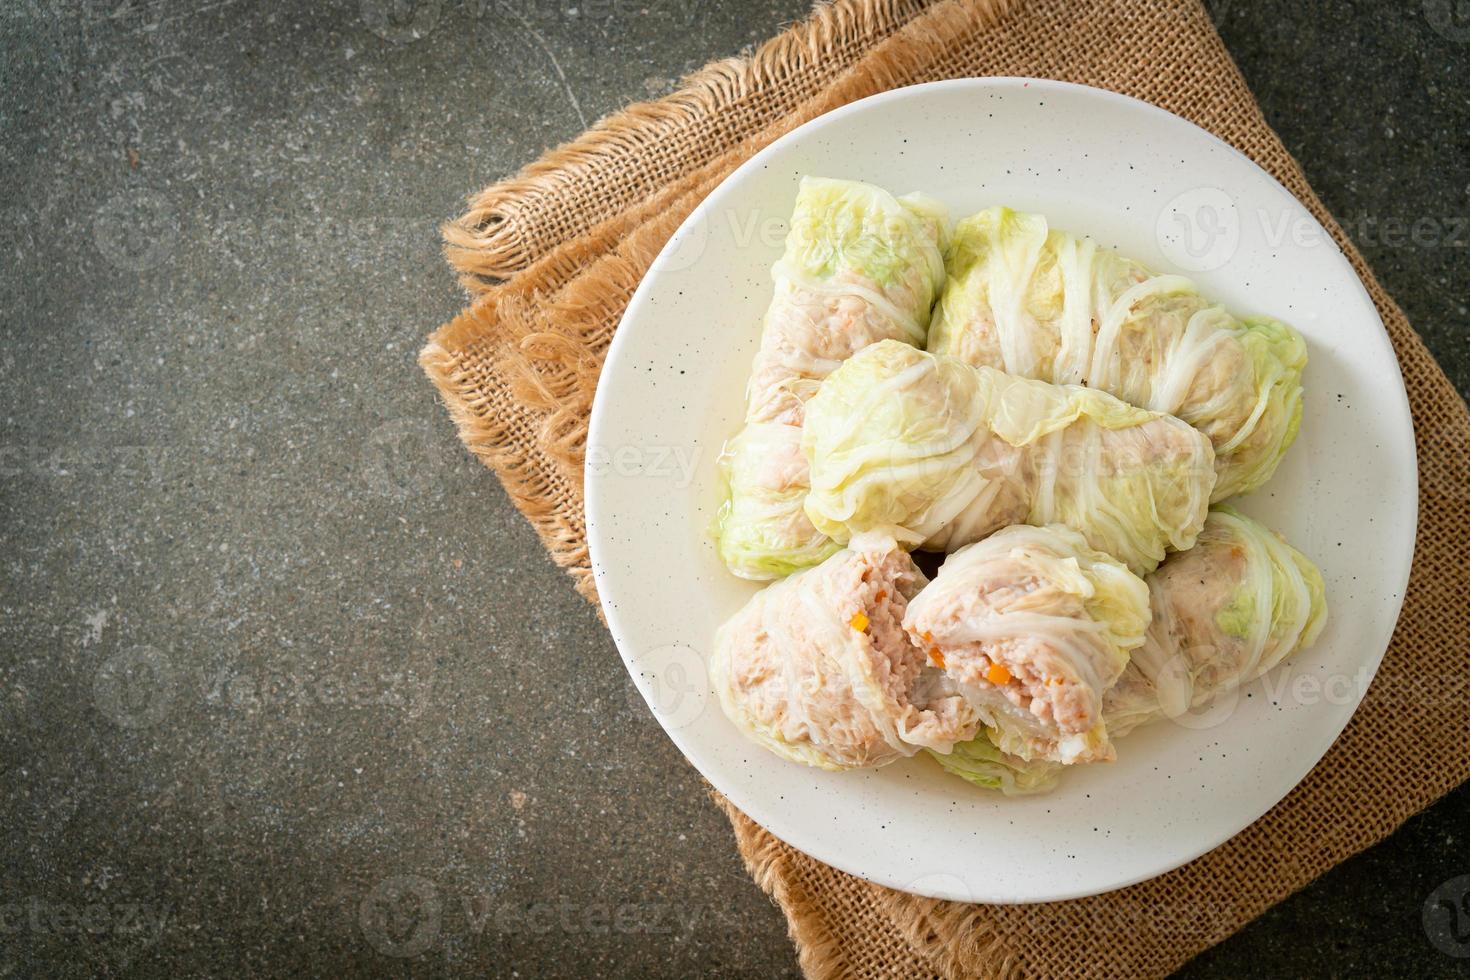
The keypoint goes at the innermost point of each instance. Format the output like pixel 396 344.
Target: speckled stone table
pixel 287 687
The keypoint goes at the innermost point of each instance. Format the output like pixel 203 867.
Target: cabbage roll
pixel 1040 303
pixel 1225 612
pixel 818 669
pixel 1033 626
pixel 940 454
pixel 979 761
pixel 763 530
pixel 860 266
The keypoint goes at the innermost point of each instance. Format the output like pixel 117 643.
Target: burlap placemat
pixel 554 254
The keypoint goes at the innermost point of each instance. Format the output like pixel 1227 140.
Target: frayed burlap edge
pixel 820 951
pixel 583 283
pixel 509 224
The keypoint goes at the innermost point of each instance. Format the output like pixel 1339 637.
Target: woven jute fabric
pixel 553 255
pixel 653 144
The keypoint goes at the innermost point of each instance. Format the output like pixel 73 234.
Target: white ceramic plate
pixel 1160 190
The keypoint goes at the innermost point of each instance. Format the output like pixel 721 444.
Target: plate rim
pixel 745 801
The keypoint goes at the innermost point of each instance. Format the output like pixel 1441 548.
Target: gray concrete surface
pixel 286 685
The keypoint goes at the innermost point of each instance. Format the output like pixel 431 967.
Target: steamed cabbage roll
pixel 1040 303
pixel 1234 606
pixel 860 266
pixel 979 761
pixel 817 668
pixel 763 529
pixel 940 454
pixel 1034 626
pixel 1223 613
